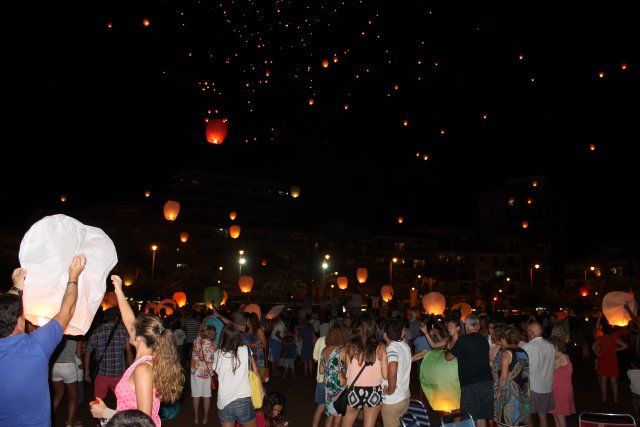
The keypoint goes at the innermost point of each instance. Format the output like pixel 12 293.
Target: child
pixel 634 378
pixel 290 351
pixel 202 372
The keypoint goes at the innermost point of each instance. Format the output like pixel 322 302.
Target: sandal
pixel 195 421
pixel 205 421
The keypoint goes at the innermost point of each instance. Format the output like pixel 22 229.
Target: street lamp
pixel 241 261
pixel 154 248
pixel 393 261
pixel 536 267
pixel 592 268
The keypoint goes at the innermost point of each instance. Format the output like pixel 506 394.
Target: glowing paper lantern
pixel 439 381
pixel 465 309
pixel 184 237
pixel 264 262
pixel 233 215
pixel 613 308
pixel 110 300
pixel 234 231
pixel 362 274
pixel 46 252
pixel 225 297
pixel 584 291
pixel 180 298
pixel 171 210
pixel 400 219
pixel 343 282
pixel 325 63
pixel 295 191
pixel 217 130
pixel 245 283
pixel 525 224
pixel 386 293
pixel 254 308
pixel 434 303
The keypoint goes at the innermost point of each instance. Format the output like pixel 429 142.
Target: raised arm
pixel 68 306
pixel 128 318
pixel 632 315
pixel 434 345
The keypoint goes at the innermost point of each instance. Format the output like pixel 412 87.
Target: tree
pixel 284 282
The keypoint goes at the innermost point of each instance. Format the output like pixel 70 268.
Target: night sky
pixel 102 106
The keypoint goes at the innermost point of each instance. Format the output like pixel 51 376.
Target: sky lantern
pixel 63 198
pixel 147 194
pixel 439 381
pixel 180 298
pixel 245 283
pixel 263 262
pixel 592 147
pixel 362 274
pixel 234 231
pixel 254 308
pixel 386 293
pixel 184 237
pixel 525 224
pixel 110 300
pixel 613 308
pixel 623 66
pixel 312 101
pixel 171 210
pixel 400 219
pixel 233 215
pixel 343 282
pixel 584 291
pixel 434 303
pixel 225 297
pixel 146 22
pixel 534 183
pixel 295 191
pixel 601 74
pixel 325 63
pixel 217 130
pixel 465 309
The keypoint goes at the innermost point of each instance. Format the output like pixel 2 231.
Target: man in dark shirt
pixel 472 352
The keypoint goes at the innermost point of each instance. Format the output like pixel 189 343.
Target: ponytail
pixel 168 378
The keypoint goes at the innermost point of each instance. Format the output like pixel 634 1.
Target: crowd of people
pixel 511 371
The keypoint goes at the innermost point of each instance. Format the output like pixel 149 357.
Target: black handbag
pixel 96 364
pixel 340 404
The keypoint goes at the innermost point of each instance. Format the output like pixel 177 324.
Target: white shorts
pixel 200 387
pixel 67 372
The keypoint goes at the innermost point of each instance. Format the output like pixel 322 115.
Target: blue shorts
pixel 240 410
pixel 320 394
pixel 635 399
pixel 276 347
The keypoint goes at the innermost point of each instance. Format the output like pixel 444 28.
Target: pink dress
pixel 563 389
pixel 126 395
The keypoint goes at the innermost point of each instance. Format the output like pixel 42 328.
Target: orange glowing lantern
pixel 525 224
pixel 225 297
pixel 109 300
pixel 343 282
pixel 295 191
pixel 146 22
pixel 400 219
pixel 434 303
pixel 171 210
pixel 465 309
pixel 217 130
pixel 584 291
pixel 254 308
pixel 147 194
pixel 63 198
pixel 180 298
pixel 592 147
pixel 387 293
pixel 325 63
pixel 234 231
pixel 184 237
pixel 613 308
pixel 233 215
pixel 263 262
pixel 246 284
pixel 312 101
pixel 534 183
pixel 362 274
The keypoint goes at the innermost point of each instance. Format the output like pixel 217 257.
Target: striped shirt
pixel 191 328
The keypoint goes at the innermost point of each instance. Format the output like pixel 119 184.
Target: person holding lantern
pixel 605 348
pixel 155 375
pixel 24 395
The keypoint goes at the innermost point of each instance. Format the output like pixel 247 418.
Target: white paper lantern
pixel 46 252
pixel 613 307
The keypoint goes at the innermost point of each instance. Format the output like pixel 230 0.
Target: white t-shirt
pixel 317 354
pixel 542 358
pixel 399 351
pixel 634 378
pixel 232 386
pixel 278 327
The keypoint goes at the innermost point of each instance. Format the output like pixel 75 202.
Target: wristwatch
pixel 17 289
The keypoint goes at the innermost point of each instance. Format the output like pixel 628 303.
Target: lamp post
pixel 591 268
pixel 325 265
pixel 154 248
pixel 391 262
pixel 536 267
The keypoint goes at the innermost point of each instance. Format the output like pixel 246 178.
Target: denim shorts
pixel 240 410
pixel 635 399
pixel 320 394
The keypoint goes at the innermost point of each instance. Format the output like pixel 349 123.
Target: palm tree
pixel 284 282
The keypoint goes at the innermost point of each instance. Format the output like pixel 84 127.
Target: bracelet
pixel 68 283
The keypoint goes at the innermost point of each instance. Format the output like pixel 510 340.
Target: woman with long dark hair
pixel 255 338
pixel 231 361
pixel 275 410
pixel 332 367
pixel 363 350
pixel 155 375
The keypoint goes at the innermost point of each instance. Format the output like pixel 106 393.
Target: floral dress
pixel 496 368
pixel 202 357
pixel 512 406
pixel 332 368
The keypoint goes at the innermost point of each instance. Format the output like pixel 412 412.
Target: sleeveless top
pixel 371 376
pixel 126 395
